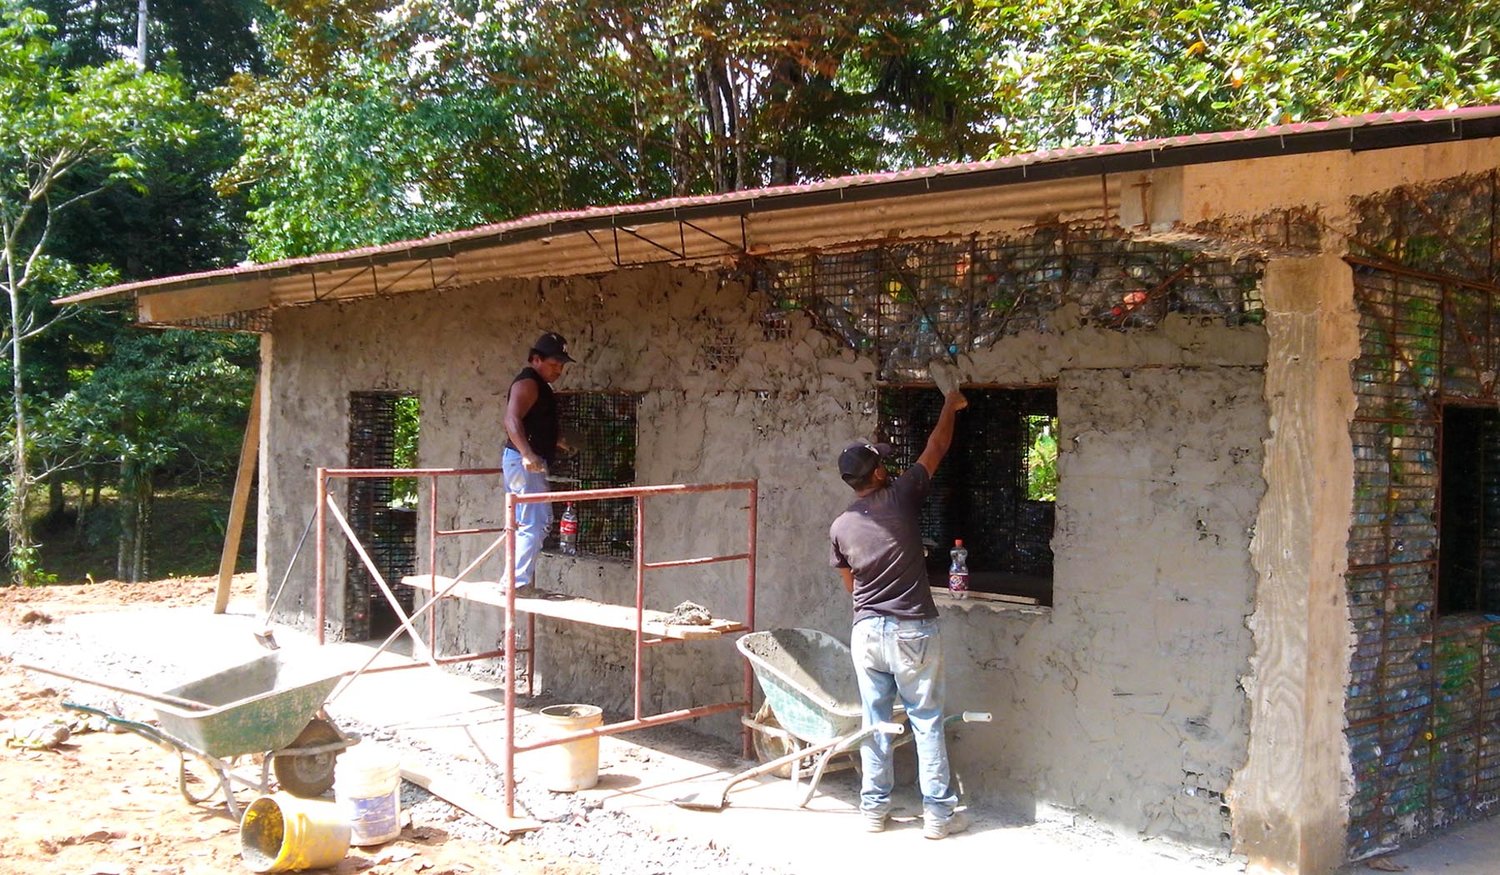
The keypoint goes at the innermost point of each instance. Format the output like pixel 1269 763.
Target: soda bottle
pixel 567 532
pixel 958 572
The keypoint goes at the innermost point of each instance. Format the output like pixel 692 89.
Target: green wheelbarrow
pixel 268 706
pixel 812 711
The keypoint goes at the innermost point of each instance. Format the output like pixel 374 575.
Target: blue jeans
pixel 532 519
pixel 902 657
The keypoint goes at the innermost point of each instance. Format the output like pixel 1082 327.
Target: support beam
pixel 249 450
pixel 1289 806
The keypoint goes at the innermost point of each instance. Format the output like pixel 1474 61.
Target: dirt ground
pixel 107 803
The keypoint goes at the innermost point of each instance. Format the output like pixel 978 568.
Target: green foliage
pixel 1041 458
pixel 408 423
pixel 382 121
pixel 67 134
pixel 172 401
pixel 1070 72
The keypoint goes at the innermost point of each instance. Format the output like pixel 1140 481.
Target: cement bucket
pixel 284 833
pixel 574 765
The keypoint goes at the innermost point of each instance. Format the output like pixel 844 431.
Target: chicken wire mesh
pixel 1423 701
pixel 906 304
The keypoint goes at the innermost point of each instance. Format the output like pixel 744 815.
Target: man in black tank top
pixel 531 430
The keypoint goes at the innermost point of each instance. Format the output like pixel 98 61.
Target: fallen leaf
pixel 1385 864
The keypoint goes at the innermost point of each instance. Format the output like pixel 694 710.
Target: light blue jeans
pixel 532 519
pixel 902 657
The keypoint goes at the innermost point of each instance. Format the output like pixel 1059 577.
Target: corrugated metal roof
pixel 1371 131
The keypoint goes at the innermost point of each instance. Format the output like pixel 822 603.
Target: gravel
pixel 572 827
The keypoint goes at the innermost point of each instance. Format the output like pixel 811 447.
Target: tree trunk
pixel 57 502
pixel 142 17
pixel 22 552
pixel 132 558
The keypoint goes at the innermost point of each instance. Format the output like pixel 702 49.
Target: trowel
pixel 945 374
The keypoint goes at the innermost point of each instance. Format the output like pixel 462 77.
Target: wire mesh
pixel 1423 701
pixel 602 429
pixel 906 304
pixel 389 534
pixel 252 321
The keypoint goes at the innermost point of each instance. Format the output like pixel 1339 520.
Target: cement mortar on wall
pixel 1119 702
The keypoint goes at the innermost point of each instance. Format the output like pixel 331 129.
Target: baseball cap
pixel 860 458
pixel 551 346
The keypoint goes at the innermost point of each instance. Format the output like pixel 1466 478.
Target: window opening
pixel 383 430
pixel 1469 544
pixel 996 489
pixel 600 431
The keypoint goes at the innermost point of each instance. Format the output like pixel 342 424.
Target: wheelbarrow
pixel 812 708
pixel 267 706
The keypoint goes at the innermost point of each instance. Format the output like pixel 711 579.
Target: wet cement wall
pixel 1120 701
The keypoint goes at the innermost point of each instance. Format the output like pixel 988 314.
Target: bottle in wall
pixel 567 532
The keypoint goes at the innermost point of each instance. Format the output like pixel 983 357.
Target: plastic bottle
pixel 567 532
pixel 958 572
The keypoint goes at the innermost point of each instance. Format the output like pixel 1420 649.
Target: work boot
pixel 934 827
pixel 875 820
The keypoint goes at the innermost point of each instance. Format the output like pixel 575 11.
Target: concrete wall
pixel 1121 701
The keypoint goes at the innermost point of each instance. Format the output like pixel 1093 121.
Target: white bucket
pixel 574 765
pixel 367 783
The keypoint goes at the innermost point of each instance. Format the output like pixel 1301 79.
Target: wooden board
pixel 575 609
pixel 463 796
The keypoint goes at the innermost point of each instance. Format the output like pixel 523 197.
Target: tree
pixel 1070 72
pixel 169 401
pixel 386 120
pixel 61 124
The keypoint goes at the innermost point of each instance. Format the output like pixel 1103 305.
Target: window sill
pixel 992 602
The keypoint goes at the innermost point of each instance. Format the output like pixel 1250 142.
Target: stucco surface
pixel 1120 701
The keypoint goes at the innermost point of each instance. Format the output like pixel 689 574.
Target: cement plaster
pixel 1120 702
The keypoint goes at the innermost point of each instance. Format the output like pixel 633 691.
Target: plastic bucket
pixel 367 783
pixel 284 833
pixel 575 764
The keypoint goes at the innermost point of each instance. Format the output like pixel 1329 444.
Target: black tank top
pixel 540 422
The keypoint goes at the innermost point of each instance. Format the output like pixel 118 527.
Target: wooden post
pixel 249 450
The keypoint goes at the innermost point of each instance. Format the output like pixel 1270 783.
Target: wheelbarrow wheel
pixel 769 747
pixel 309 775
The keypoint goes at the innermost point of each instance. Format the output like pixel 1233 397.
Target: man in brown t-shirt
pixel 877 546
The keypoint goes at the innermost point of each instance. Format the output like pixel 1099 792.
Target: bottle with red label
pixel 567 532
pixel 958 572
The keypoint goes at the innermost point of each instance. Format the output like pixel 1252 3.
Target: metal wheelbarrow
pixel 808 680
pixel 266 706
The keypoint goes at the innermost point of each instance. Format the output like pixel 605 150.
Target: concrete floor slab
pixel 462 714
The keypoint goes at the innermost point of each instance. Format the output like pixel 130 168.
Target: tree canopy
pixel 279 128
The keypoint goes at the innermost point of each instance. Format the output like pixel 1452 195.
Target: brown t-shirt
pixel 878 538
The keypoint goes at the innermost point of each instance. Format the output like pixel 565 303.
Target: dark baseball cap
pixel 860 458
pixel 551 346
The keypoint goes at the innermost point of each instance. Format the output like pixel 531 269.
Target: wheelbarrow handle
pixel 160 698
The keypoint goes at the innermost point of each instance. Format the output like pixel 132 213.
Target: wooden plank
pixel 576 609
pixel 461 796
pixel 249 450
pixel 1005 598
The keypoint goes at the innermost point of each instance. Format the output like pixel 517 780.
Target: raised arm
pixel 942 434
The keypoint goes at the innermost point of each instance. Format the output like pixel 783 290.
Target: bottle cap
pixel 958 542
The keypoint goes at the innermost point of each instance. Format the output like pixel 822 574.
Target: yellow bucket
pixel 283 833
pixel 575 765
